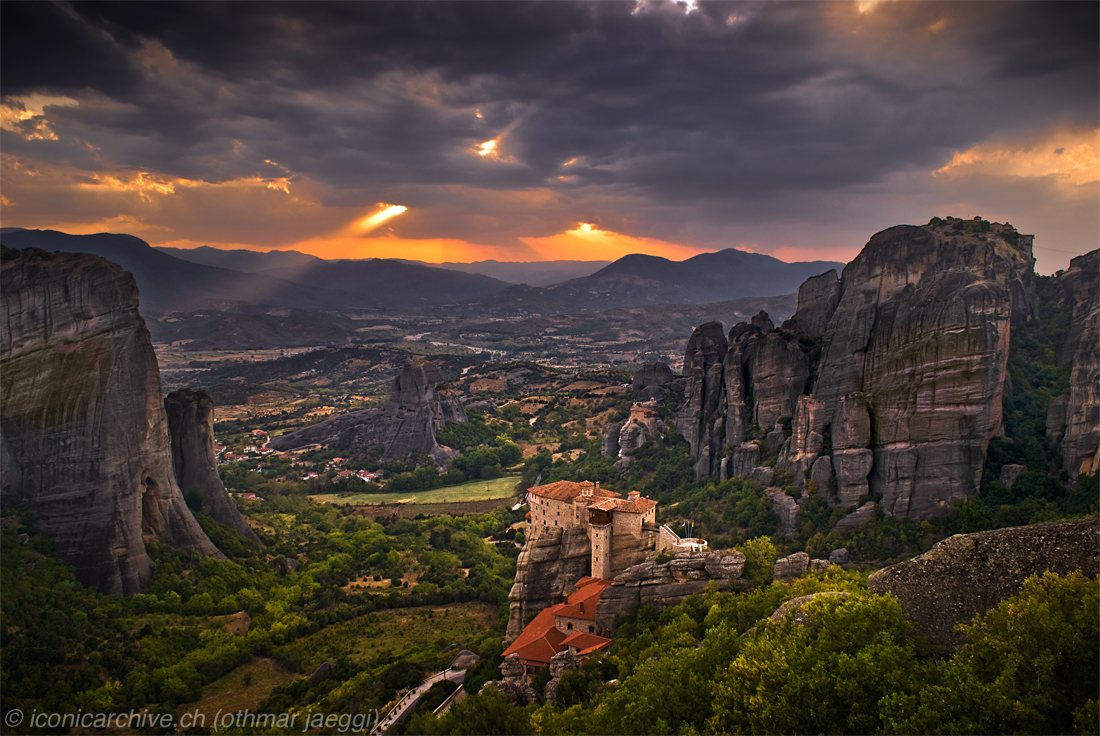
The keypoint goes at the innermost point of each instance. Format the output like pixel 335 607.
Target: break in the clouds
pixel 521 131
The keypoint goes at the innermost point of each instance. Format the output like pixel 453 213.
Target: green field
pixel 477 490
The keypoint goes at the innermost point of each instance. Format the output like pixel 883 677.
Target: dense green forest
pixel 67 648
pixel 717 664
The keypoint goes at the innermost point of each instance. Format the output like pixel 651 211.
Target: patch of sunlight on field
pixel 242 689
pixel 478 490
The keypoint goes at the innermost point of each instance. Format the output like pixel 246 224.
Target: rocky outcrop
pixel 802 450
pixel 1080 427
pixel 795 610
pixel 706 349
pixel 968 574
pixel 609 439
pixel 546 570
pixel 785 509
pixel 419 405
pixel 560 663
pixel 791 566
pixel 664 584
pixel 860 516
pixel 818 298
pixel 908 352
pixel 652 381
pixel 191 431
pixel 85 436
pixel 514 683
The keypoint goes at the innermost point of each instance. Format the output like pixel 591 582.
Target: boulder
pixel 968 574
pixel 839 556
pixel 728 565
pixel 85 441
pixel 791 566
pixel 464 660
pixel 860 516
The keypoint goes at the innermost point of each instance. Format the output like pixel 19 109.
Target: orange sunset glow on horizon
pixel 586 242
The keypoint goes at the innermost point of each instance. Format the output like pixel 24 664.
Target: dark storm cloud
pixel 720 109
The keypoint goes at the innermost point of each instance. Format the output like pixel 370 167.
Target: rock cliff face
pixel 968 574
pixel 546 570
pixel 1077 415
pixel 191 430
pixel 901 363
pixel 419 405
pixel 85 436
pixel 669 583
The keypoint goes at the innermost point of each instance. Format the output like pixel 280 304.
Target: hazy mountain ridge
pixel 532 273
pixel 249 261
pixel 167 283
pixel 638 279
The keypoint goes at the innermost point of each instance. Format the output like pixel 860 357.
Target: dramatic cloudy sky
pixel 530 131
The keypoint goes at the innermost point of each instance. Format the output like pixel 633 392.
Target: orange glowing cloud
pixel 370 222
pixel 589 243
pixel 1068 155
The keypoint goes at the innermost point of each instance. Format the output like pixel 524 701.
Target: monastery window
pixel 569 626
pixel 591 629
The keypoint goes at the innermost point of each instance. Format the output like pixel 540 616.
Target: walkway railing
pixel 410 697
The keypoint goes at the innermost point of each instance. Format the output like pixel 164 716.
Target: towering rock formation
pixel 546 570
pixel 706 350
pixel 419 405
pixel 901 364
pixel 1077 415
pixel 85 437
pixel 191 429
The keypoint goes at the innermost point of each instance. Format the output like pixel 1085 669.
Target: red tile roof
pixel 567 490
pixel 582 602
pixel 540 641
pixel 586 643
pixel 638 505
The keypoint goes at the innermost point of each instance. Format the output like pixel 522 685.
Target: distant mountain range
pixel 636 280
pixel 249 261
pixel 535 273
pixel 172 279
pixel 168 284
